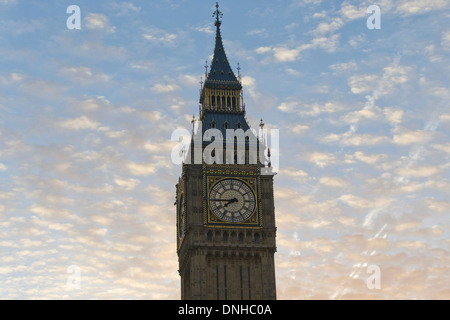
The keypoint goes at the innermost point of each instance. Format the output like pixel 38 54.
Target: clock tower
pixel 224 197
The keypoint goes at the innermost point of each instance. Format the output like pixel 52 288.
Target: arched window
pixel 213 124
pixel 209 236
pixel 225 125
pixel 225 236
pixel 257 237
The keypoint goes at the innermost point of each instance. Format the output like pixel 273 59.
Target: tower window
pixel 213 124
pixel 226 125
pixel 239 125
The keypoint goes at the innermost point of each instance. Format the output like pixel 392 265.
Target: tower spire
pixel 221 90
pixel 218 15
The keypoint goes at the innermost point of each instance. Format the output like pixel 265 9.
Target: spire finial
pixel 218 15
pixel 193 123
pixel 239 71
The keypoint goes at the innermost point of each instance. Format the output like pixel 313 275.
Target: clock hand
pixel 224 200
pixel 230 202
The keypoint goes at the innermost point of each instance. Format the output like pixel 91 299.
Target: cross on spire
pixel 218 14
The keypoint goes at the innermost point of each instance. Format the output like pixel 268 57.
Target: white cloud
pixel 164 88
pixel 445 42
pixel 368 113
pixel 333 182
pixel 84 75
pixel 206 29
pixel 263 50
pixel 124 8
pixel 8 2
pixel 159 36
pixel 98 21
pixel 350 138
pixel 407 137
pixel 322 159
pixel 411 7
pixel 81 123
pixel 249 84
pixel 128 184
pixel 369 158
pixel 418 172
pixel 394 116
pixel 298 129
pixel 140 169
pixel 283 54
pixel 350 66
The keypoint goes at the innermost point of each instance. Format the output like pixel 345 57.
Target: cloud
pixel 445 42
pixel 404 137
pixel 160 36
pixel 351 138
pixel 369 158
pixel 124 8
pixel 322 159
pixel 98 21
pixel 333 182
pixel 343 67
pixel 412 7
pixel 84 75
pixel 250 85
pixel 393 116
pixel 8 2
pixel 140 169
pixel 284 54
pixel 164 88
pixel 418 172
pixel 208 29
pixel 81 123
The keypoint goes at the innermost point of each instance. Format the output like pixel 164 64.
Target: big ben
pixel 224 198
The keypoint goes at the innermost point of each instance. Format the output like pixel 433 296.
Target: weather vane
pixel 217 14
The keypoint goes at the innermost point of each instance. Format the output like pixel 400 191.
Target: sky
pixel 87 185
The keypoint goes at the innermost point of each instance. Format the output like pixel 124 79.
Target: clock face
pixel 232 200
pixel 181 216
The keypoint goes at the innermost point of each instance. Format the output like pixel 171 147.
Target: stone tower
pixel 224 197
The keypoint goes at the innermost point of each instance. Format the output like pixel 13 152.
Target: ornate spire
pixel 221 91
pixel 220 67
pixel 218 15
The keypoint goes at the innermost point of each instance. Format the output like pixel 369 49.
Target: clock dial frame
pixel 232 200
